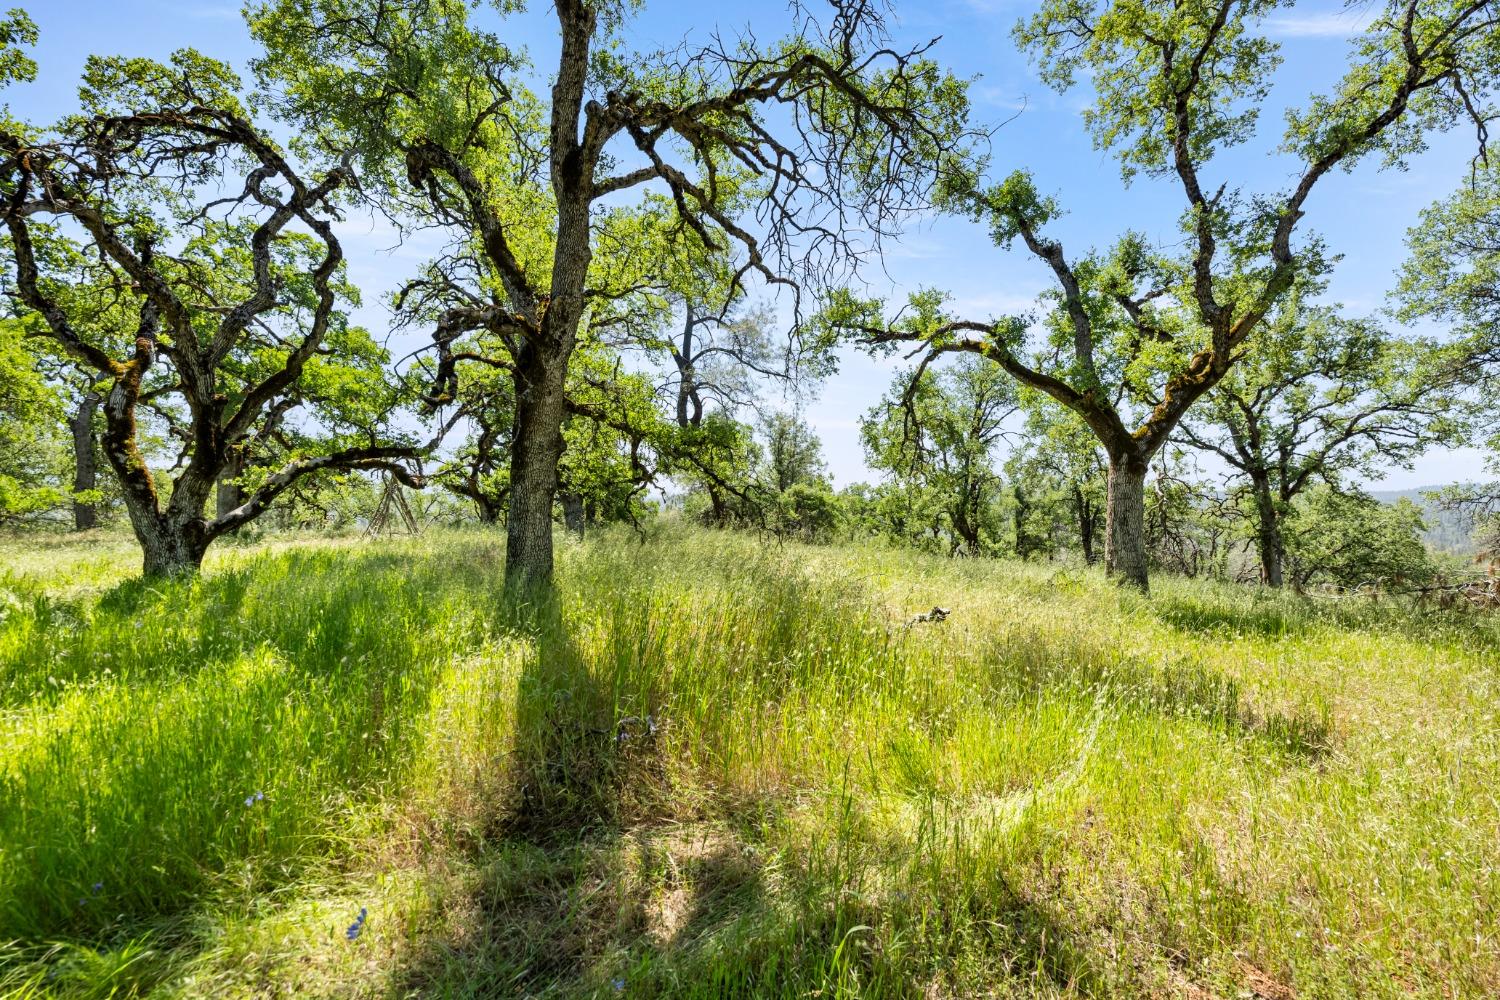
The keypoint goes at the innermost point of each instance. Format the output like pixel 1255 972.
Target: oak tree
pixel 1134 335
pixel 167 243
pixel 835 132
pixel 1453 276
pixel 937 431
pixel 1319 397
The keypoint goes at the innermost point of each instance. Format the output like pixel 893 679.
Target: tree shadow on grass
pixel 544 875
pixel 1267 619
pixel 1183 690
pixel 583 889
pixel 566 869
pixel 578 745
pixel 697 912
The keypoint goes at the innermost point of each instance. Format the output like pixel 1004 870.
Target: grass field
pixel 717 767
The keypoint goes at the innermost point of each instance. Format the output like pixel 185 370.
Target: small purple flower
pixel 257 797
pixel 358 925
pixel 618 983
pixel 98 887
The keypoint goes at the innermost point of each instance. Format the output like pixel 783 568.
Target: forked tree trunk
pixel 1125 523
pixel 171 546
pixel 1268 543
pixel 489 511
pixel 966 529
pixel 689 400
pixel 85 463
pixel 173 540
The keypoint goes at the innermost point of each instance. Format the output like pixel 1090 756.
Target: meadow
pixel 716 766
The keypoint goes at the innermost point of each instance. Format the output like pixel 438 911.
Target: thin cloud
pixel 1001 97
pixel 1335 24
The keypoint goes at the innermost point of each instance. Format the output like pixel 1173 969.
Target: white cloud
pixel 993 304
pixel 1334 24
pixel 1005 98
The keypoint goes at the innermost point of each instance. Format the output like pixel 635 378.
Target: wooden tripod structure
pixel 392 501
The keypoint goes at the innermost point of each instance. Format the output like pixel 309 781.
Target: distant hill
pixel 1446 531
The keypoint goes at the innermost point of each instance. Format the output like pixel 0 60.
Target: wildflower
pixel 257 797
pixel 358 925
pixel 618 983
pixel 98 887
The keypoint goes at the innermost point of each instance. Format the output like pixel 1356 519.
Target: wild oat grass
pixel 714 767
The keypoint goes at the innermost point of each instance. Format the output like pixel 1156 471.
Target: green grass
pixel 715 768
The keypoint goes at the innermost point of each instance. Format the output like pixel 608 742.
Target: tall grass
pixel 709 768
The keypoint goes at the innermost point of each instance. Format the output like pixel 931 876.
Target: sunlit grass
pixel 716 768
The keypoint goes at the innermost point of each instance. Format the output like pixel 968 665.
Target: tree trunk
pixel 1125 523
pixel 1268 543
pixel 85 463
pixel 966 529
pixel 229 495
pixel 716 506
pixel 1085 524
pixel 684 360
pixel 537 447
pixel 1023 541
pixel 173 541
pixel 171 547
pixel 572 505
pixel 541 369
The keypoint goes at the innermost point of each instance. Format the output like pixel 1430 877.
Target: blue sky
pixel 1364 215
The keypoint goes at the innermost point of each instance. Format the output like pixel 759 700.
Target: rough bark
pixel 542 364
pixel 170 542
pixel 1125 523
pixel 171 546
pixel 537 448
pixel 85 463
